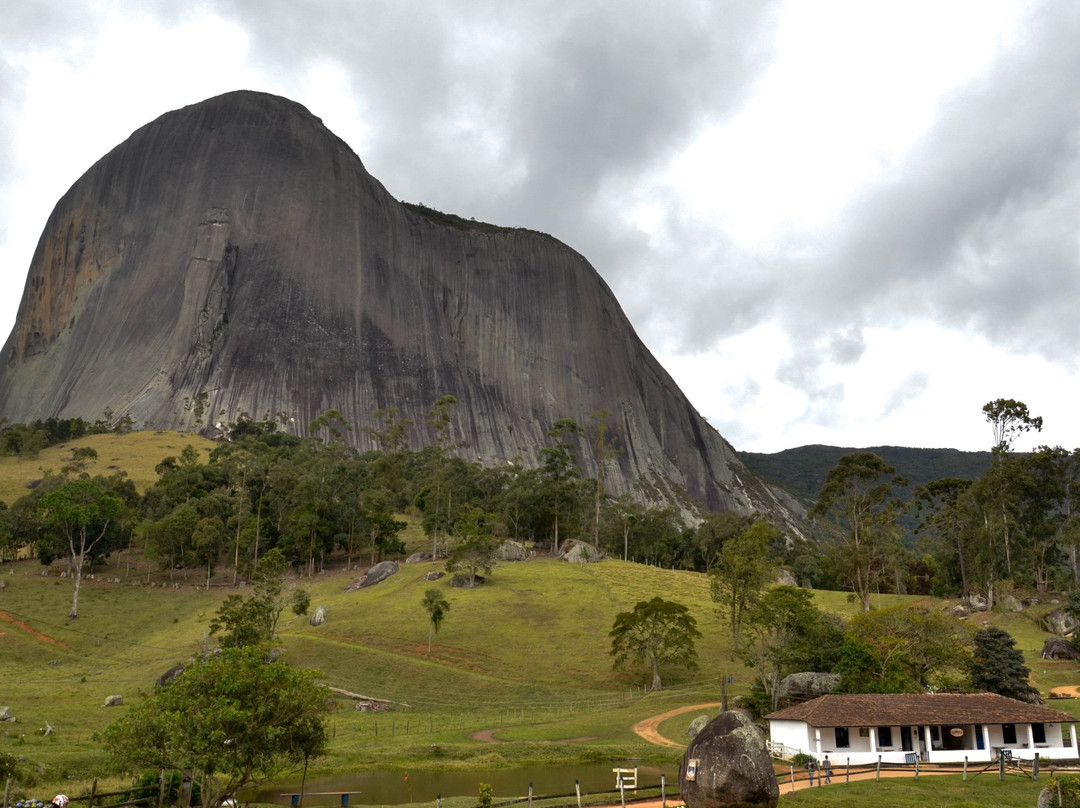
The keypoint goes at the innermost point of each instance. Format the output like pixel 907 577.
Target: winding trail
pixel 647 728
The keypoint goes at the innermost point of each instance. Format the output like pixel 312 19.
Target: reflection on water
pixel 394 787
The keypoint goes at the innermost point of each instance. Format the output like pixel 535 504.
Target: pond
pixel 396 787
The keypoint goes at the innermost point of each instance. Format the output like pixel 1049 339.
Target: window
pixel 884 736
pixel 1038 733
pixel 1008 733
pixel 842 741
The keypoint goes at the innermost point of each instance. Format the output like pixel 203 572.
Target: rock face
pixel 729 764
pixel 234 258
pixel 808 685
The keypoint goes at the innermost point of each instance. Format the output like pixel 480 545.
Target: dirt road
pixel 647 728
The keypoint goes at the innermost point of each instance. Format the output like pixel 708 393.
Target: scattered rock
pixel 170 675
pixel 434 575
pixel 786 577
pixel 977 602
pixel 1057 648
pixel 462 581
pixel 416 558
pixel 1012 603
pixel 6 714
pixel 959 610
pixel 1058 621
pixel 114 701
pixel 319 617
pixel 512 551
pixel 372 707
pixel 808 685
pixel 579 552
pixel 380 572
pixel 728 764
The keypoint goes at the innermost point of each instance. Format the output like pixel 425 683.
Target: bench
pixel 294 799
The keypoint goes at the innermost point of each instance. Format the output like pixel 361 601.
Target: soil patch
pixel 33 632
pixel 647 728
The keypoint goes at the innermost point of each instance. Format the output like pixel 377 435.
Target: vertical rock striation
pixel 234 257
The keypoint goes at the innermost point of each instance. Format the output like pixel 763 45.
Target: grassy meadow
pixel 525 656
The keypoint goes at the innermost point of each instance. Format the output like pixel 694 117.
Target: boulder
pixel 319 617
pixel 417 558
pixel 462 581
pixel 170 674
pixel 1058 621
pixel 697 725
pixel 579 552
pixel 977 602
pixel 1058 648
pixel 114 701
pixel 512 551
pixel 728 764
pixel 959 610
pixel 1011 603
pixel 6 714
pixel 808 685
pixel 377 574
pixel 786 577
pixel 434 575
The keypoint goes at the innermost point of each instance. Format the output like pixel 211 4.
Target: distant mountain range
pixel 802 471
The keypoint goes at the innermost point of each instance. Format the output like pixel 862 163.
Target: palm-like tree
pixel 436 606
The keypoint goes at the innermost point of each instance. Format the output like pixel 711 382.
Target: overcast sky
pixel 850 223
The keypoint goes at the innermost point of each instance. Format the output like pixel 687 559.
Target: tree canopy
pixel 657 631
pixel 232 719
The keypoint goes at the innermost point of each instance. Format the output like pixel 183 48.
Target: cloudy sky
pixel 846 223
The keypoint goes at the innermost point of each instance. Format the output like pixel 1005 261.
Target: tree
pixel 657 631
pixel 742 572
pixel 474 553
pixel 1009 419
pixel 254 621
pixel 604 435
pixel 859 499
pixel 232 720
pixel 788 633
pixel 436 606
pixel 997 666
pixel 82 511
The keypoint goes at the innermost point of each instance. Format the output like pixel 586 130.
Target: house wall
pixel 795 736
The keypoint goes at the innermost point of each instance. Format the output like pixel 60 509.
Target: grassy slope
pixel 136 453
pixel 526 654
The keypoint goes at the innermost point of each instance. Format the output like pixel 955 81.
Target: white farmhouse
pixel 931 727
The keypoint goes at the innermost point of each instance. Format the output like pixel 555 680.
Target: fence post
pixel 7 791
pixel 93 790
pixel 622 790
pixel 161 788
pixel 916 768
pixel 878 778
pixel 965 769
pixel 1001 767
pixel 530 795
pixel 1035 767
pixel 792 767
pixel 847 771
pixel 577 788
pixel 663 791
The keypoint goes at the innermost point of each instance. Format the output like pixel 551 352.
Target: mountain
pixel 235 259
pixel 802 471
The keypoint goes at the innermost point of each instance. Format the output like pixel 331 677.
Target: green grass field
pixel 526 655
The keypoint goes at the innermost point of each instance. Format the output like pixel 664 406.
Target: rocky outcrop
pixel 808 685
pixel 377 574
pixel 1060 622
pixel 234 258
pixel 728 764
pixel 579 552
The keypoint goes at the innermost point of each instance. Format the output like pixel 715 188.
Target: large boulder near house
pixel 728 764
pixel 377 574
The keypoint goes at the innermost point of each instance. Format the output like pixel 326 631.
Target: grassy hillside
pixel 135 453
pixel 525 654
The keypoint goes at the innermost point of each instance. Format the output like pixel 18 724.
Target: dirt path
pixel 1065 692
pixel 647 728
pixel 31 631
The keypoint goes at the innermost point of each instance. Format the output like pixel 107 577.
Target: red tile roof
pixel 910 709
